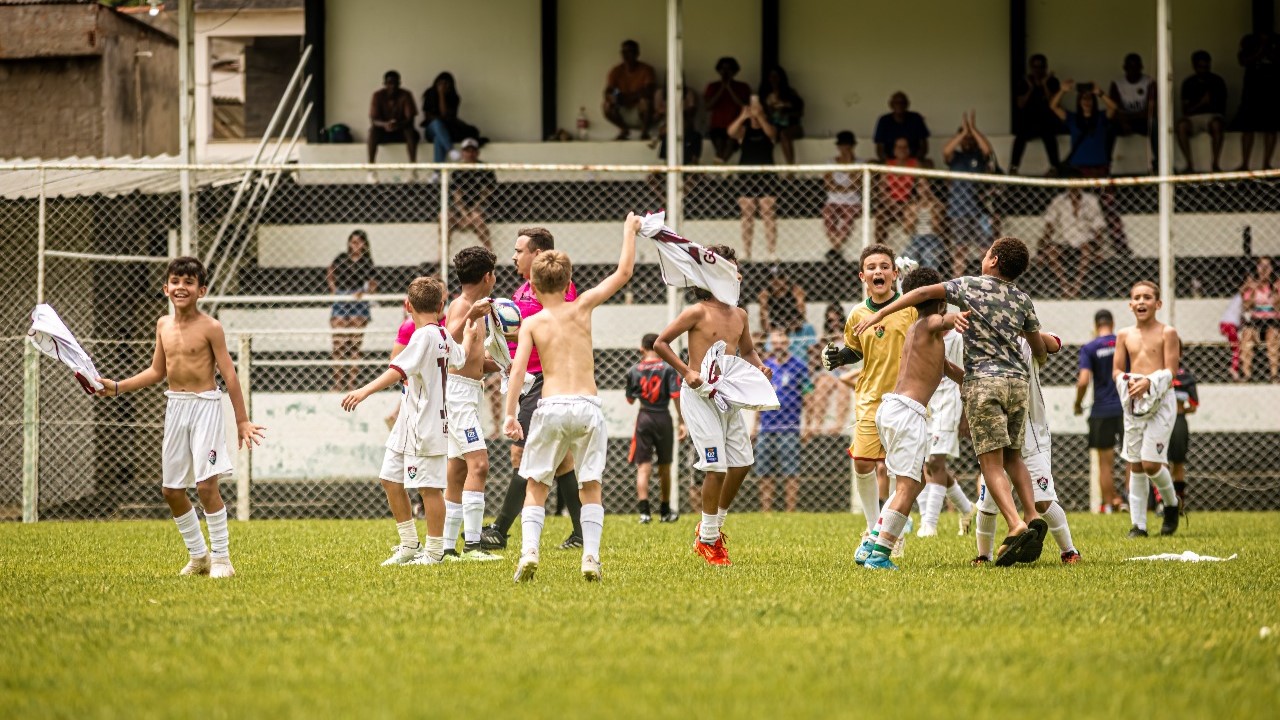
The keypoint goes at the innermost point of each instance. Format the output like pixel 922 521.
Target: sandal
pixel 1012 547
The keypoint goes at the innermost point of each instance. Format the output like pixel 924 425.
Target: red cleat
pixel 1070 557
pixel 714 553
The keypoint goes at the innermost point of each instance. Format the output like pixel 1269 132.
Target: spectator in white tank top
pixel 1135 93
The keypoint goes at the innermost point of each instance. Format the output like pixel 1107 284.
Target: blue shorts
pixel 359 309
pixel 778 454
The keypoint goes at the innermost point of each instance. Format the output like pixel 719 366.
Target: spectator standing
pixel 785 109
pixel 628 93
pixel 350 273
pixel 901 122
pixel 1088 127
pixel 968 152
pixel 1260 295
pixel 781 304
pixel 1134 94
pixel 893 191
pixel 923 219
pixel 1033 119
pixel 1259 55
pixel 1229 328
pixel 844 197
pixel 777 432
pixel 440 104
pixel 471 190
pixel 725 99
pixel 827 383
pixel 391 115
pixel 1204 105
pixel 759 190
pixel 1106 416
pixel 1073 223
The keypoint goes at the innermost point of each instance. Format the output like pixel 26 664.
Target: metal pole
pixel 866 207
pixel 31 388
pixel 675 179
pixel 1164 160
pixel 444 226
pixel 186 121
pixel 244 455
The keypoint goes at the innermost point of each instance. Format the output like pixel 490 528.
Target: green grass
pixel 94 622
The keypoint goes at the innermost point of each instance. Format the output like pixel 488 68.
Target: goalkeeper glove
pixel 833 357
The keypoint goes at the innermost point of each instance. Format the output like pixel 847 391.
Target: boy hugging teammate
pixel 654 383
pixel 190 347
pixel 419 441
pixel 1146 363
pixel 568 417
pixel 944 442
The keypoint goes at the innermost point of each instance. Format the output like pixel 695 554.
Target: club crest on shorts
pixel 412 470
pixel 473 435
pixel 1159 447
pixel 711 454
pixel 879 331
pixel 213 457
pixel 1043 483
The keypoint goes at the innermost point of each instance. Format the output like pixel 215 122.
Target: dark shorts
pixel 1105 433
pixel 1180 440
pixel 1262 325
pixel 653 437
pixel 387 137
pixel 528 403
pixel 757 185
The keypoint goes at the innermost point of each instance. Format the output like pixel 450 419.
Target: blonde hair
pixel 551 271
pixel 426 294
pixel 1155 289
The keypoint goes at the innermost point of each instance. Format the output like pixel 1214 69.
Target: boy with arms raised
pixel 190 346
pixel 720 438
pixel 655 384
pixel 417 448
pixel 568 417
pixel 1146 363
pixel 995 381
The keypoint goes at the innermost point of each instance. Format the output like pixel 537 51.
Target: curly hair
pixel 1011 256
pixel 473 263
pixel 923 277
pixel 876 249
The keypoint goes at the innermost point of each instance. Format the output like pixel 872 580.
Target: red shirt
pixel 725 110
pixel 529 305
pixel 899 186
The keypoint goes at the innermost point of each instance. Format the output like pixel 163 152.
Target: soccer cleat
pixel 491 538
pixel 196 566
pixel 1137 532
pixel 220 567
pixel 645 519
pixel 1071 557
pixel 573 542
pixel 966 520
pixel 927 531
pixel 723 549
pixel 472 552
pixel 591 569
pixel 864 549
pixel 878 561
pixel 670 517
pixel 527 567
pixel 425 558
pixel 451 555
pixel 401 555
pixel 1170 525
pixel 980 561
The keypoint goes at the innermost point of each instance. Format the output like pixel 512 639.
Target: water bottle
pixel 583 123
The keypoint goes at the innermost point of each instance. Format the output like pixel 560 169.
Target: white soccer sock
pixel 452 524
pixel 435 547
pixel 218 539
pixel 592 519
pixel 959 499
pixel 189 526
pixel 472 515
pixel 1057 519
pixel 985 533
pixel 1139 486
pixel 865 485
pixel 931 505
pixel 531 520
pixel 721 514
pixel 408 532
pixel 892 524
pixel 1164 482
pixel 709 530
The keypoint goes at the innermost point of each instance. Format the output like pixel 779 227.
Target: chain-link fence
pixel 271 235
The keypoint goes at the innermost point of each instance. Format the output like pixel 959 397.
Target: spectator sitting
pixel 629 91
pixel 893 192
pixel 1134 94
pixel 901 123
pixel 1259 55
pixel 785 109
pixel 1033 119
pixel 753 131
pixel 1204 105
pixel 725 98
pixel 440 117
pixel 844 197
pixel 1073 222
pixel 1088 128
pixel 826 384
pixel 470 190
pixel 922 219
pixel 782 303
pixel 1261 302
pixel 350 273
pixel 967 152
pixel 391 116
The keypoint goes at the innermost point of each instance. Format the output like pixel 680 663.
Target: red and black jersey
pixel 653 383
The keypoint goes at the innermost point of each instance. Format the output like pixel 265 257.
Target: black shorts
pixel 388 137
pixel 528 403
pixel 1105 433
pixel 1180 440
pixel 653 437
pixel 757 185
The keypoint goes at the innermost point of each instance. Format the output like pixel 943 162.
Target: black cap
pixel 1103 317
pixel 846 137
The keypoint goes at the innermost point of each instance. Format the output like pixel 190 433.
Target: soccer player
pixel 720 439
pixel 1146 362
pixel 777 432
pixel 1037 453
pixel 1106 424
pixel 901 419
pixel 416 455
pixel 654 383
pixel 944 442
pixel 1184 389
pixel 468 455
pixel 190 346
pixel 995 382
pixel 568 417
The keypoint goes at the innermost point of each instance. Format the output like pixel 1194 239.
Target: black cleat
pixel 491 538
pixel 1137 532
pixel 1171 516
pixel 670 517
pixel 573 542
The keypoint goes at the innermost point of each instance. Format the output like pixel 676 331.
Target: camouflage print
pixel 997 412
pixel 1001 313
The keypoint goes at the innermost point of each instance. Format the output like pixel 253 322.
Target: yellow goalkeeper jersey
pixel 881 348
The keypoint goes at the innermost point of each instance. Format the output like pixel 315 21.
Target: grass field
pixel 94 622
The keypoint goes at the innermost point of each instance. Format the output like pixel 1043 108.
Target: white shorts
pixel 414 471
pixel 904 435
pixel 1200 122
pixel 1041 472
pixel 195 438
pixel 1146 439
pixel 462 402
pixel 720 439
pixel 944 442
pixel 563 424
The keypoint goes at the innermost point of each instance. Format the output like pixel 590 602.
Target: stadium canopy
pixel 78 180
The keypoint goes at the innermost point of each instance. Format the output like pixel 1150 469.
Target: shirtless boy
pixel 568 417
pixel 189 347
pixel 720 439
pixel 1146 362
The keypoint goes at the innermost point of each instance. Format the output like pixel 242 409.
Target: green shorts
pixel 997 412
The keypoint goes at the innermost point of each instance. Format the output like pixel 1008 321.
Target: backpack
pixel 337 133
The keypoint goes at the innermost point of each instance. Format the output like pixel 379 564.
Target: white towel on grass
pixel 685 263
pixel 1186 556
pixel 51 336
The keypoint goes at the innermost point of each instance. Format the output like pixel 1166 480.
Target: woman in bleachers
pixel 758 190
pixel 1088 128
pixel 350 273
pixel 1260 295
pixel 785 108
pixel 443 127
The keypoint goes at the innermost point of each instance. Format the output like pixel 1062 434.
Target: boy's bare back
pixel 562 335
pixel 186 347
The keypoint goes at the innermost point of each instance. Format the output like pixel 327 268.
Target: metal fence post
pixel 866 207
pixel 244 455
pixel 30 433
pixel 444 226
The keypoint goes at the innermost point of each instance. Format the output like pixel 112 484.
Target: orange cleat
pixel 714 553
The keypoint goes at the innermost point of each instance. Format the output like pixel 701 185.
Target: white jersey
pixel 734 383
pixel 1134 95
pixel 945 405
pixel 685 263
pixel 422 428
pixel 1036 438
pixel 51 336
